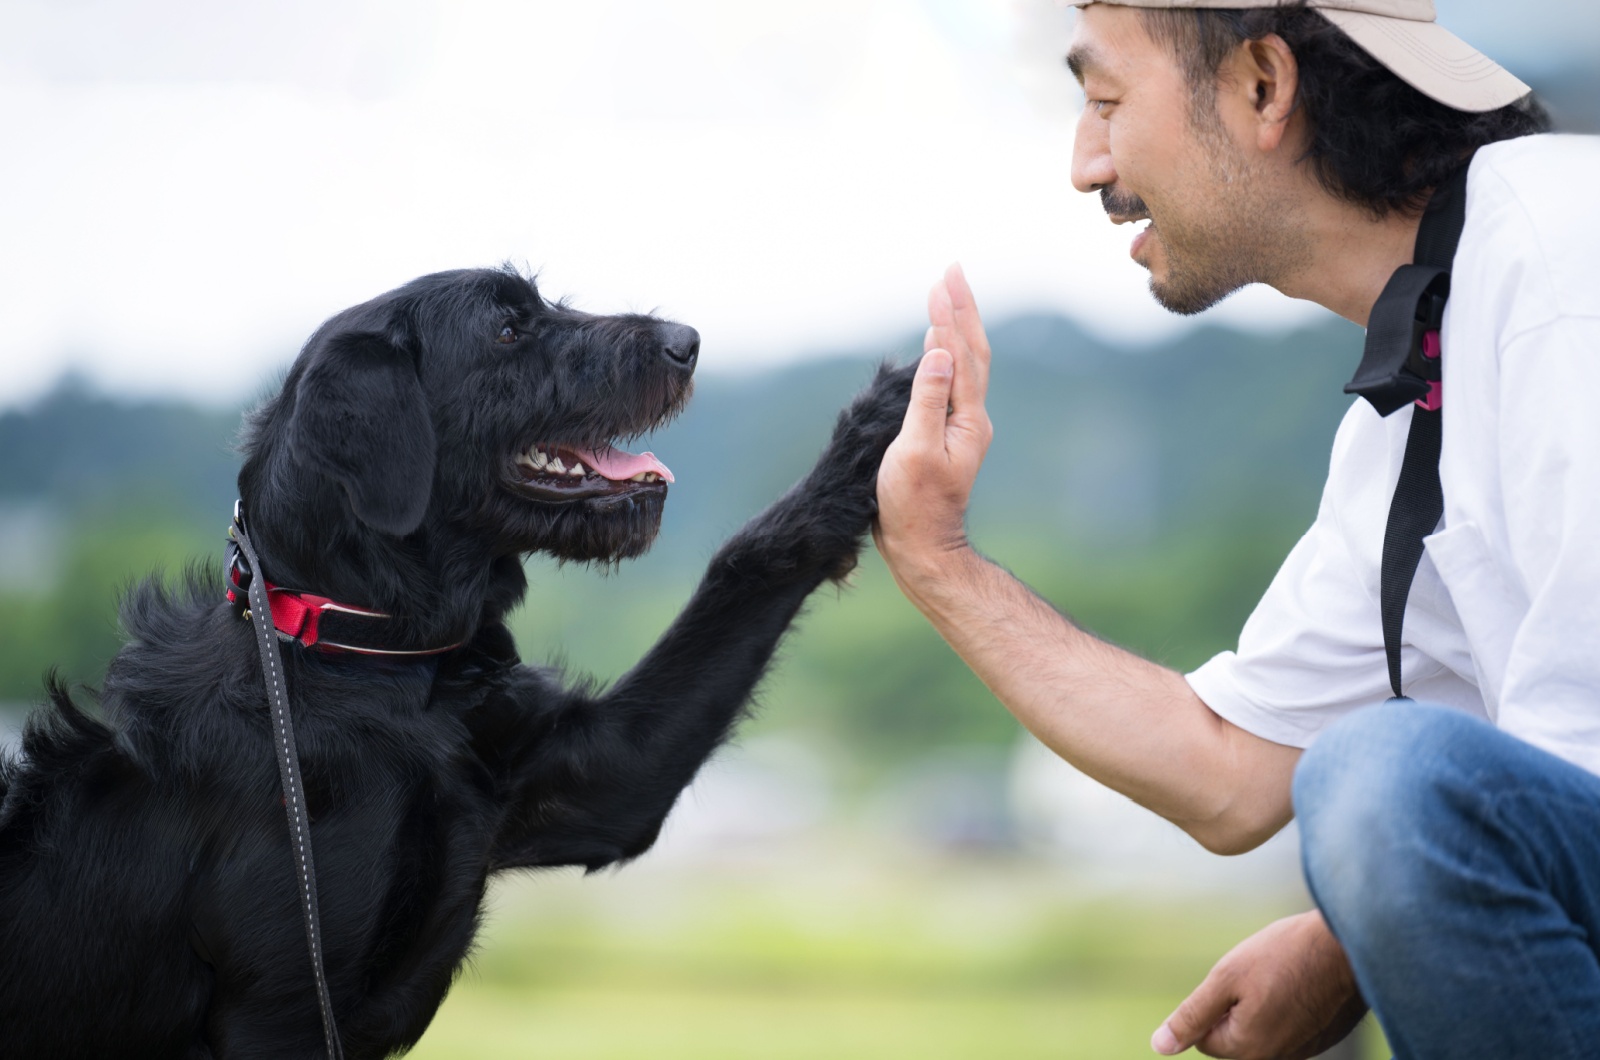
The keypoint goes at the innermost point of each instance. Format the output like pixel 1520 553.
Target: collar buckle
pixel 296 615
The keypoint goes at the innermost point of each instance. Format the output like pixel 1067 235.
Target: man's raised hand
pixel 928 471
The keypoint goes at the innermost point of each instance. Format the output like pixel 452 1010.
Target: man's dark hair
pixel 1375 141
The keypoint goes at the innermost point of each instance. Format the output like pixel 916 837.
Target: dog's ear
pixel 360 417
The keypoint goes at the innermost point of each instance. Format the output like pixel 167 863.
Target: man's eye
pixel 1100 105
pixel 508 334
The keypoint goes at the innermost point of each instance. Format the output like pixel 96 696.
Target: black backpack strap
pixel 1400 365
pixel 1413 515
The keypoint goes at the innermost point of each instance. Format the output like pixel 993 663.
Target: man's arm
pixel 1134 726
pixel 1131 724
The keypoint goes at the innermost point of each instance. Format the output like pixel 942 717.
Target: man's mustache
pixel 1120 204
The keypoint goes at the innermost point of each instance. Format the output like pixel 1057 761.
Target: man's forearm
pixel 1131 724
pixel 1128 723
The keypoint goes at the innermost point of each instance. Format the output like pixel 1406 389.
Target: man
pixel 1452 844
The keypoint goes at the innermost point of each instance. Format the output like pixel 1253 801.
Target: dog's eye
pixel 508 334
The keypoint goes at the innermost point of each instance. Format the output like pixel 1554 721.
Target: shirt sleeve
pixel 1312 651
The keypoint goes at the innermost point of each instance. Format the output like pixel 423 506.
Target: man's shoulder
pixel 1553 177
pixel 1533 218
pixel 1539 148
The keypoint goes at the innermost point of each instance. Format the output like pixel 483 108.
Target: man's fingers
pixel 944 334
pixel 972 344
pixel 964 307
pixel 1199 1013
pixel 968 323
pixel 930 401
pixel 941 311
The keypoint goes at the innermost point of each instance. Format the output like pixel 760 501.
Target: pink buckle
pixel 1431 349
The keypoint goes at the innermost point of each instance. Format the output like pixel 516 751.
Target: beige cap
pixel 1402 35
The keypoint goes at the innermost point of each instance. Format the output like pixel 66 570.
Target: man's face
pixel 1142 146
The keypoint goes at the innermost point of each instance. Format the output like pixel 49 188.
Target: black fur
pixel 147 903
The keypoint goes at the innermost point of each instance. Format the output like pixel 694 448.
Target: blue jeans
pixel 1460 869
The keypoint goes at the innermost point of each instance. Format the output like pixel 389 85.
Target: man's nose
pixel 1092 168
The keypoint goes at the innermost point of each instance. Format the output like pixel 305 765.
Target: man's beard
pixel 1244 239
pixel 1203 268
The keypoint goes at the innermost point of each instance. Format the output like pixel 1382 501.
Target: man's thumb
pixel 1165 1042
pixel 930 398
pixel 1200 1011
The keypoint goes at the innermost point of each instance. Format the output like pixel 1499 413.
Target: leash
pixel 260 615
pixel 1402 364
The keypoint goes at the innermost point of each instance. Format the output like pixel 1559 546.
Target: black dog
pixel 421 444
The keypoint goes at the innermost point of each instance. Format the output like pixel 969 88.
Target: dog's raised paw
pixel 871 422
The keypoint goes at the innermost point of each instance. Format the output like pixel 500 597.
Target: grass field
pixel 871 957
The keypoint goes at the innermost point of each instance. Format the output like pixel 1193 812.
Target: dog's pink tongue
pixel 620 466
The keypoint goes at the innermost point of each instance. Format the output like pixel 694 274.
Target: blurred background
pixel 883 865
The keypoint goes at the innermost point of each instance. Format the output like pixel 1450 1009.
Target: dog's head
pixel 466 404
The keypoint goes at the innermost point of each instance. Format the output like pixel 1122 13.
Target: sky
pixel 188 187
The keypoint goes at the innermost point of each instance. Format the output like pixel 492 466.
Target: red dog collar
pixel 296 614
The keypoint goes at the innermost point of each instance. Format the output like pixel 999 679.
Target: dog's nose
pixel 681 344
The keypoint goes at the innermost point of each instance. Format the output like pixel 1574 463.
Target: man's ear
pixel 360 418
pixel 1272 77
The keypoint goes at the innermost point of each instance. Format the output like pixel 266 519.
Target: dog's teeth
pixel 537 458
pixel 557 466
pixel 643 476
pixel 576 469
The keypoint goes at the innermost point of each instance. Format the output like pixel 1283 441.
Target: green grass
pixel 802 1023
pixel 870 956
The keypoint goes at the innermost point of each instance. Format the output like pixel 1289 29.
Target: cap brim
pixel 1432 60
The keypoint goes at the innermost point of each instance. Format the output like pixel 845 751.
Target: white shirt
pixel 1503 620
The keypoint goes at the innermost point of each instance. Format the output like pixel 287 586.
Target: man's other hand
pixel 1284 993
pixel 928 472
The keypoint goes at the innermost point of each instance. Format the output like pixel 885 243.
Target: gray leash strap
pixel 260 615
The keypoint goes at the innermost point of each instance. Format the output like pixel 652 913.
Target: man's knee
pixel 1372 792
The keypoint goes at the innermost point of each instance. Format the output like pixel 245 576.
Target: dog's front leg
pixel 594 777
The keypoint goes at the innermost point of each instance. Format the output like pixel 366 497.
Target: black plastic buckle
pixel 1394 370
pixel 1430 317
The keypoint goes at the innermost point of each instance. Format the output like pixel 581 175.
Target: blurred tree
pixel 1148 494
pixel 73 625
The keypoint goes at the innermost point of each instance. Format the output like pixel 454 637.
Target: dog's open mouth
pixel 557 472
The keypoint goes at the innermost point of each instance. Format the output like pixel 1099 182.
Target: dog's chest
pixel 401 831
pixel 411 859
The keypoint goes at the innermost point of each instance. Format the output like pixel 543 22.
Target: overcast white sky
pixel 189 186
